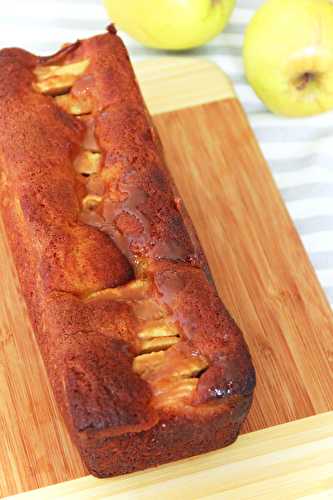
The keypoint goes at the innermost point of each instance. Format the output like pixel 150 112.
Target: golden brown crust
pixel 144 359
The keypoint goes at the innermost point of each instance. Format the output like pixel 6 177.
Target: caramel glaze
pixel 125 411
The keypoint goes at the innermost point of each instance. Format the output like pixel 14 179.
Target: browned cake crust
pixel 145 361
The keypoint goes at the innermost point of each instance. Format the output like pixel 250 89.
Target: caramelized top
pixel 122 290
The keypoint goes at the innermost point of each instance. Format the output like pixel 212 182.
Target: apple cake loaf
pixel 143 358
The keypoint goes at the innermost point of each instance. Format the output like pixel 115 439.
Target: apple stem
pixel 304 80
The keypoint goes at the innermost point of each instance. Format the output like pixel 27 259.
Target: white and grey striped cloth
pixel 299 151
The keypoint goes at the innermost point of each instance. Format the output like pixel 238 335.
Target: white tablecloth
pixel 299 151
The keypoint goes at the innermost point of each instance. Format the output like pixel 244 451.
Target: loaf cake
pixel 143 358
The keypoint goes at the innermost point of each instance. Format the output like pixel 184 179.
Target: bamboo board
pixel 287 461
pixel 260 267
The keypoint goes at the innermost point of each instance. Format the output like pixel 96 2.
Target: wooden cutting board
pixel 287 461
pixel 260 267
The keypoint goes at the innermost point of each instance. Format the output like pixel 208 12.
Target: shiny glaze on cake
pixel 144 360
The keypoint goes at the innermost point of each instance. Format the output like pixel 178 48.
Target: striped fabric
pixel 299 151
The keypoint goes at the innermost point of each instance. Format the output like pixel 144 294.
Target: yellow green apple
pixel 170 24
pixel 288 56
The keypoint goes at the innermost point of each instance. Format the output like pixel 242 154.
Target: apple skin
pixel 288 56
pixel 170 24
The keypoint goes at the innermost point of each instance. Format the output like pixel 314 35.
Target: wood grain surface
pixel 260 267
pixel 288 461
pixel 173 83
